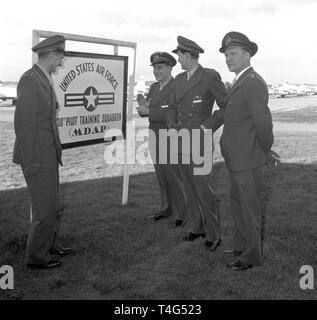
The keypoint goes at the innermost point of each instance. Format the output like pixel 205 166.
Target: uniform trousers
pixel 46 217
pixel 203 209
pixel 172 189
pixel 245 189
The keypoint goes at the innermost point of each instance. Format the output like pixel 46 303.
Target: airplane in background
pixel 287 89
pixel 307 89
pixel 8 92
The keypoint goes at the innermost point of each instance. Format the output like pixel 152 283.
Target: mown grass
pixel 121 254
pixel 306 115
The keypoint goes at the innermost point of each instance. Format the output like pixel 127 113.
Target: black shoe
pixel 235 252
pixel 178 223
pixel 47 265
pixel 212 245
pixel 62 252
pixel 158 217
pixel 239 265
pixel 193 236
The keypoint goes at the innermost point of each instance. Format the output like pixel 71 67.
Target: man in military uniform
pixel 38 150
pixel 155 106
pixel 246 144
pixel 191 104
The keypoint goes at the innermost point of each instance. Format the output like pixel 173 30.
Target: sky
pixel 285 31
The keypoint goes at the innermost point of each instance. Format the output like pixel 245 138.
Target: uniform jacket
pixel 37 142
pixel 247 132
pixel 159 100
pixel 192 101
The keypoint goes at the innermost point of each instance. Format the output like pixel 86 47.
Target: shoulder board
pixel 254 75
pixel 209 70
pixel 154 84
pixel 28 73
pixel 180 74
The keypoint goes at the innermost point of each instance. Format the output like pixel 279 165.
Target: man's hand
pixel 143 111
pixel 142 101
pixel 272 158
pixel 143 108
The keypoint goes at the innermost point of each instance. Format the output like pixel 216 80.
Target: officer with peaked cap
pixel 173 196
pixel 38 150
pixel 187 45
pixel 246 144
pixel 193 96
pixel 52 44
pixel 238 39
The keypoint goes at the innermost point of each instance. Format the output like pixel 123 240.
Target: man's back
pixel 34 145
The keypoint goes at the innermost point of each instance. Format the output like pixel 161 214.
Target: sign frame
pixel 37 34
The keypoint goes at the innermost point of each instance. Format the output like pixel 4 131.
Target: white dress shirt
pixel 162 85
pixel 240 74
pixel 191 72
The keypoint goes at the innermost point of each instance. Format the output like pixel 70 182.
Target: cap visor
pixel 222 49
pixel 235 43
pixel 254 48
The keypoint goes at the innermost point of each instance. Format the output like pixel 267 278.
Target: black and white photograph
pixel 158 155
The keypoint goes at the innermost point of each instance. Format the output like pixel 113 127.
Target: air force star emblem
pixel 90 99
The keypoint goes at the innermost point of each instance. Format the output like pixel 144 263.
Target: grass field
pixel 306 115
pixel 121 254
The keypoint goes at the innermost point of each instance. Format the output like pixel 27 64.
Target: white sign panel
pixel 91 91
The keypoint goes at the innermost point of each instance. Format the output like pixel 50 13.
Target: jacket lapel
pixel 185 85
pixel 238 83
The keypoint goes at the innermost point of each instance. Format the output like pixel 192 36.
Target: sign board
pixel 91 91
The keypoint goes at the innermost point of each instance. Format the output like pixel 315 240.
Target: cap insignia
pixel 227 40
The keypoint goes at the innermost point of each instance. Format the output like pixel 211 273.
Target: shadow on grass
pixel 122 254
